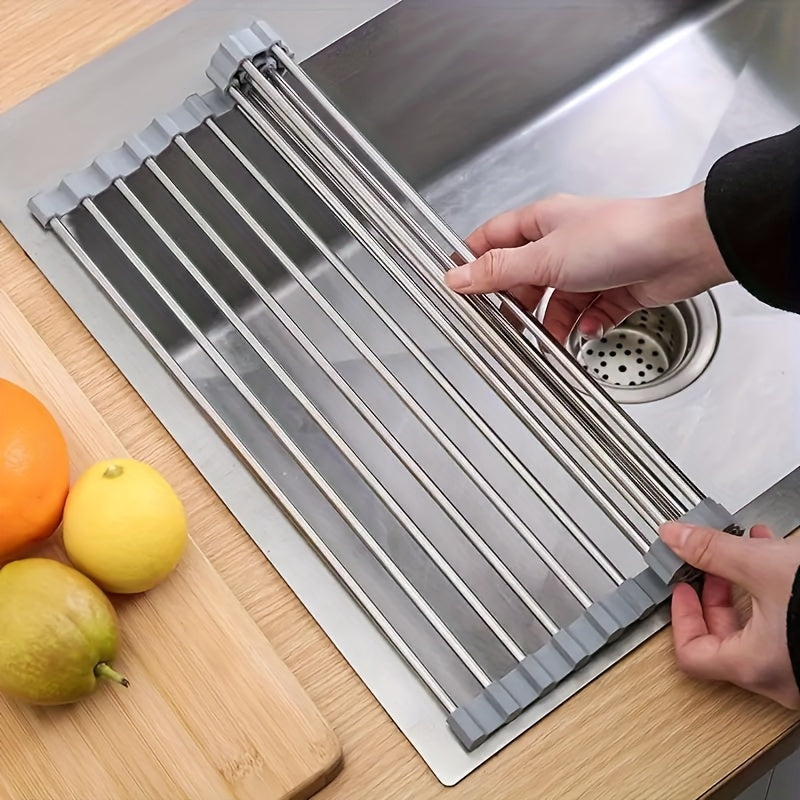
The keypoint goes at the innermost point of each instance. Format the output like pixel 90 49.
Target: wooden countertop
pixel 641 731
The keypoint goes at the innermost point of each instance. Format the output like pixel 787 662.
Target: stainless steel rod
pixel 342 385
pixel 420 260
pixel 247 457
pixel 330 431
pixel 389 378
pixel 435 430
pixel 475 475
pixel 331 150
pixel 411 224
pixel 287 442
pixel 622 421
pixel 609 466
pixel 464 346
pixel 549 441
pixel 673 477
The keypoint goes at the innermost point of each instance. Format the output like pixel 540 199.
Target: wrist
pixel 689 236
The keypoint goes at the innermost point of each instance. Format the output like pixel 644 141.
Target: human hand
pixel 605 258
pixel 711 641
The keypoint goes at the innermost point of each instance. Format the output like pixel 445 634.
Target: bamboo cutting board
pixel 212 713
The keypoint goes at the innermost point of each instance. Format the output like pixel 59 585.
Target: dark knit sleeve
pixel 752 200
pixel 793 627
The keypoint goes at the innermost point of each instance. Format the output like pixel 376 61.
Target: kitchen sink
pixel 481 107
pixel 488 111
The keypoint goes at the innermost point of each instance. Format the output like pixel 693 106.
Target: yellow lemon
pixel 124 526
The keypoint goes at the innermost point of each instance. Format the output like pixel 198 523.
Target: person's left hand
pixel 711 641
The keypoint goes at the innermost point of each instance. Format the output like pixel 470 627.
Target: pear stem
pixel 113 471
pixel 103 670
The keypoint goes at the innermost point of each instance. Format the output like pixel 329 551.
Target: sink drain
pixel 640 351
pixel 654 353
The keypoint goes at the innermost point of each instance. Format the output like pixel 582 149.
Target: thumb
pixel 501 269
pixel 723 554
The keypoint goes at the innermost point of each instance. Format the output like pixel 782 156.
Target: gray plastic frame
pixel 572 647
pixel 250 43
pixel 668 566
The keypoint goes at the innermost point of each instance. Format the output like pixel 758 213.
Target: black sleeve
pixel 752 200
pixel 793 627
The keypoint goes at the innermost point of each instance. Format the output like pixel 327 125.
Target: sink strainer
pixel 654 353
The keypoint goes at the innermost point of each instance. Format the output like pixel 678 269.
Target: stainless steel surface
pixel 655 352
pixel 527 364
pixel 479 130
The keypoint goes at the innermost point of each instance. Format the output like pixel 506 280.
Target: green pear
pixel 58 633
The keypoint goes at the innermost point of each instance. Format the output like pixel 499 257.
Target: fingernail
pixel 675 534
pixel 459 278
pixel 590 331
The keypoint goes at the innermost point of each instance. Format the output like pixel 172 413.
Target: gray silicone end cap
pixel 636 597
pixel 46 206
pixel 466 729
pixel 620 611
pixel 709 513
pixel 570 649
pixel 536 675
pixel 219 102
pixel 553 662
pixel 667 565
pixel 520 688
pixel 503 702
pixel 238 47
pixel 604 623
pixel 584 631
pixel 653 585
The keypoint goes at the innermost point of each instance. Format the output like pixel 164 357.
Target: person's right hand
pixel 712 641
pixel 605 258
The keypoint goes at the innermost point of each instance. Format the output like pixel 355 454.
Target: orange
pixel 34 471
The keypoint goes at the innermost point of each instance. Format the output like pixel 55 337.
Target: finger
pixel 509 229
pixel 723 554
pixel 720 615
pixel 608 310
pixel 688 623
pixel 529 223
pixel 528 296
pixel 502 269
pixel 761 532
pixel 698 652
pixel 563 311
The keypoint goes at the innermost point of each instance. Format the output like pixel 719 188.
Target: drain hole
pixel 651 348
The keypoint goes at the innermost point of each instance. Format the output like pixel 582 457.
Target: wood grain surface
pixel 642 731
pixel 212 712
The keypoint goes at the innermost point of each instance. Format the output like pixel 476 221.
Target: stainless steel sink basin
pixel 496 106
pixel 482 106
